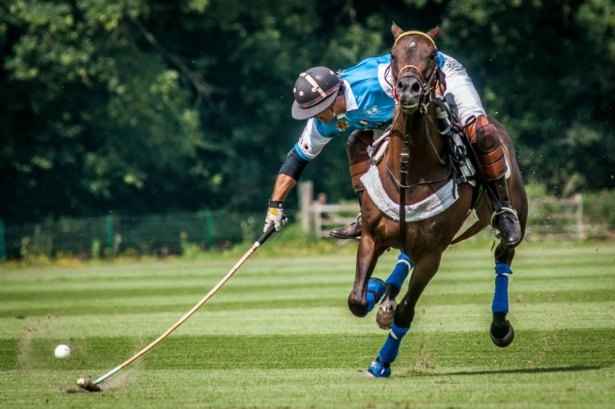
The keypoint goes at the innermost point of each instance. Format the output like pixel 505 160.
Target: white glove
pixel 275 216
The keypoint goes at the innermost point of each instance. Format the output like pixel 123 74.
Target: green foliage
pixel 600 207
pixel 96 250
pixel 145 106
pixel 36 248
pixel 544 68
pixel 189 251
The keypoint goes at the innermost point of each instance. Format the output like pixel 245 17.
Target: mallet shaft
pixel 210 294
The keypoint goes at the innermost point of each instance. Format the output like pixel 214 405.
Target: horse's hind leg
pixel 502 332
pixel 386 310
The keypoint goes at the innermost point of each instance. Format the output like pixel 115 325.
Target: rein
pixel 404 160
pixel 427 97
pixel 405 137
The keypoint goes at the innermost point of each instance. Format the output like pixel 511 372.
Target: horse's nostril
pixel 416 87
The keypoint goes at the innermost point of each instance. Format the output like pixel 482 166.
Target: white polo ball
pixel 62 351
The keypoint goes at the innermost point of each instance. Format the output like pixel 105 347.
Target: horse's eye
pixel 392 56
pixel 433 55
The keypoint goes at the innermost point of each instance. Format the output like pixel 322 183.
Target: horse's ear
pixel 434 32
pixel 395 30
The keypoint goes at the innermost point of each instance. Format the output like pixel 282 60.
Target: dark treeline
pixel 136 106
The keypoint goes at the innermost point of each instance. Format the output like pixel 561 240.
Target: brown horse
pixel 420 202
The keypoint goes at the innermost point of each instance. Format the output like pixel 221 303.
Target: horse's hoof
pixel 378 370
pixel 386 313
pixel 357 309
pixel 500 335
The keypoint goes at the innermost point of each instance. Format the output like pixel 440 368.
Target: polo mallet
pixel 92 386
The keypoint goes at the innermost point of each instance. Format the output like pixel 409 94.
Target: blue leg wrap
pixel 389 350
pixel 375 290
pixel 500 297
pixel 371 302
pixel 400 272
pixel 378 369
pixel 381 366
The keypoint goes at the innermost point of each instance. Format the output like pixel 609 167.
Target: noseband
pixel 427 85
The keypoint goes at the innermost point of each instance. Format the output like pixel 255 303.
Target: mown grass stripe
pixel 318 320
pixel 439 285
pixel 266 272
pixel 285 298
pixel 209 352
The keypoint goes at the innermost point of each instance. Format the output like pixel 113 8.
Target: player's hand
pixel 275 216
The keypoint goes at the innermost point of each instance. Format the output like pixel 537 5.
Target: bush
pixel 599 208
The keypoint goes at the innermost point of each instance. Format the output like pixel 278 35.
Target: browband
pixel 405 33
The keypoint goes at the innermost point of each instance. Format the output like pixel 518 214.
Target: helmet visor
pixel 305 113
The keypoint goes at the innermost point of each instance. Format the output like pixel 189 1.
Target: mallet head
pixel 88 385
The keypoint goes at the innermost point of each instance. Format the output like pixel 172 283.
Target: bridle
pixel 426 98
pixel 427 84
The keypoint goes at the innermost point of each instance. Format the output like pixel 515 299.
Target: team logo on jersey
pixel 341 125
pixel 304 143
pixel 371 110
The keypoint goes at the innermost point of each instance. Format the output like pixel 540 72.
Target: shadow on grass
pixel 553 369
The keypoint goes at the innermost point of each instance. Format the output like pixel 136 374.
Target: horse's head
pixel 414 66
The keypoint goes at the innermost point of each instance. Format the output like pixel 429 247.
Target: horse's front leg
pixel 386 310
pixel 367 257
pixel 424 271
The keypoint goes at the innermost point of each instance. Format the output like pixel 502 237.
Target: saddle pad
pixel 429 207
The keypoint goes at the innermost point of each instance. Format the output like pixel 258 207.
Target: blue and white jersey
pixel 370 103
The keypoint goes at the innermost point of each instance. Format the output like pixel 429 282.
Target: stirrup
pixel 503 210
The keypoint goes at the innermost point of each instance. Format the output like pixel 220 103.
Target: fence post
pixel 306 196
pixel 209 228
pixel 2 242
pixel 110 241
pixel 578 198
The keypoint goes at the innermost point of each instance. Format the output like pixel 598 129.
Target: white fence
pixel 549 218
pixel 554 218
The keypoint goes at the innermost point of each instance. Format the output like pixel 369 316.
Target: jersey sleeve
pixel 312 141
pixel 441 58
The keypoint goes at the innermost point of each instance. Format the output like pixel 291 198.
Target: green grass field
pixel 279 334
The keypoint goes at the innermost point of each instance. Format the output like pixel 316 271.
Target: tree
pixel 93 122
pixel 149 106
pixel 544 68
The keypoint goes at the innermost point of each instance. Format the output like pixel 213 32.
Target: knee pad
pixel 483 135
pixel 486 141
pixel 357 144
pixel 356 147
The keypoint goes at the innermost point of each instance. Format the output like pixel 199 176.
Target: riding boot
pixel 359 160
pixel 504 219
pixel 353 231
pixel 485 139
